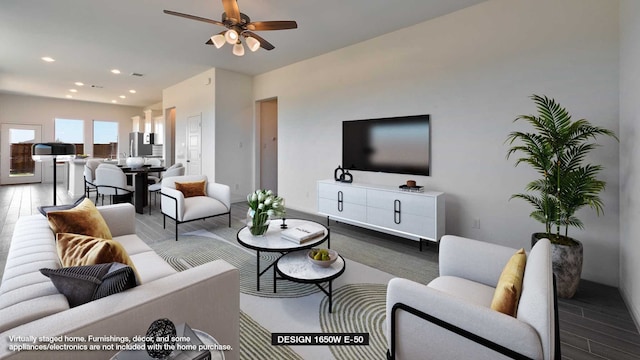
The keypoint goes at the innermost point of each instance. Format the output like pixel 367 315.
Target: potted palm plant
pixel 557 150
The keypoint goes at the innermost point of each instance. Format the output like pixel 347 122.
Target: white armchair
pixel 451 317
pixel 173 203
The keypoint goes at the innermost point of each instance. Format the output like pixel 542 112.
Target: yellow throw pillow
pixel 83 219
pixel 79 250
pixel 509 288
pixel 191 188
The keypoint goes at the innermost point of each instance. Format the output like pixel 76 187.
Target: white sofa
pixel 206 297
pixel 451 317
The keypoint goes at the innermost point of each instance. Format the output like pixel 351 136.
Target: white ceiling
pixel 88 38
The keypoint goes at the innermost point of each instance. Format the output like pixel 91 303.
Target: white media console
pixel 413 215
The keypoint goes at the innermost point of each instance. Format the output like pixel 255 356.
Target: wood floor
pixel 595 324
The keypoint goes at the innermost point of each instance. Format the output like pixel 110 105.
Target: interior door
pixel 194 145
pixel 16 165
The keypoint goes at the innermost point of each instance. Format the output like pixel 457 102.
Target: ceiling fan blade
pixel 263 43
pixel 231 9
pixel 272 25
pixel 193 17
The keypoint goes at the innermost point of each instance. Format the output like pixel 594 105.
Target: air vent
pixel 136 74
pixel 97 86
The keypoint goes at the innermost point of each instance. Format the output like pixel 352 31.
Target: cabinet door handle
pixel 340 201
pixel 397 211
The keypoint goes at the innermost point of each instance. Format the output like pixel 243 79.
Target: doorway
pixel 17 166
pixel 269 144
pixel 194 145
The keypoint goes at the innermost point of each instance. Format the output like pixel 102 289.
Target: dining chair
pixel 176 169
pixel 112 181
pixel 90 177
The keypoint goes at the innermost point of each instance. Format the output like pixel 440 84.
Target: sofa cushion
pixel 84 219
pixel 509 288
pixel 192 188
pixel 467 290
pixel 152 266
pixel 81 284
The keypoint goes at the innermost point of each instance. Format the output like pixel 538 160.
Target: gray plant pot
pixel 567 265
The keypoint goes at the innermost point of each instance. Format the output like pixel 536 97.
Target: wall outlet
pixel 476 223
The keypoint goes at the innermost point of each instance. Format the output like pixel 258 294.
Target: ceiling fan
pixel 239 26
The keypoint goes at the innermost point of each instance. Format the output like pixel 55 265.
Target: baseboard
pixel 635 313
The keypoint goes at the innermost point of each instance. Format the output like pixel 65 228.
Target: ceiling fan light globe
pixel 218 40
pixel 238 49
pixel 252 43
pixel 231 36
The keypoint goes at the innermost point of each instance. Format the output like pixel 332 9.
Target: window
pixel 21 141
pixel 70 131
pixel 105 139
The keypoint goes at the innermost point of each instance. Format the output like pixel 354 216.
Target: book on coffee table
pixel 302 233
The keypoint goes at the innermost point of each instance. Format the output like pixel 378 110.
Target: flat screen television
pixel 398 145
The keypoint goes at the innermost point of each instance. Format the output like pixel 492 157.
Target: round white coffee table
pixel 271 241
pixel 295 266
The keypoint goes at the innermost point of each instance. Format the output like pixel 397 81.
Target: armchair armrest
pixel 453 328
pixel 472 259
pixel 172 202
pixel 220 192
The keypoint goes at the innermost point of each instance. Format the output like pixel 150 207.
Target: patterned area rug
pixel 193 250
pixel 356 307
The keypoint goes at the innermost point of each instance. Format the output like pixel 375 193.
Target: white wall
pixel 472 71
pixel 234 129
pixel 18 109
pixel 630 154
pixel 192 97
pixel 225 102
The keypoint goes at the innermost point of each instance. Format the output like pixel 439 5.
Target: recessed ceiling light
pixel 73 90
pixel 115 71
pixel 114 101
pixel 78 83
pixel 132 91
pixel 69 96
pixel 48 59
pixel 122 97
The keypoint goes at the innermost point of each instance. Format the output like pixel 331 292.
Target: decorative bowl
pixel 135 162
pixel 333 256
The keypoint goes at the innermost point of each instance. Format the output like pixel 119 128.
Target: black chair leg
pixel 176 230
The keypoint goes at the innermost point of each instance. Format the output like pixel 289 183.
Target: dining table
pixel 141 183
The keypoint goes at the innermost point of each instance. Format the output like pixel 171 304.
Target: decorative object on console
pixel 339 174
pixel 556 150
pixel 263 205
pixel 56 152
pixel 411 186
pixel 160 329
pixel 135 162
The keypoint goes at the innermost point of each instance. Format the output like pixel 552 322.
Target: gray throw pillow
pixel 82 284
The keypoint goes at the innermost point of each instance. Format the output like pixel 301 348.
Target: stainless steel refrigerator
pixel 141 144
